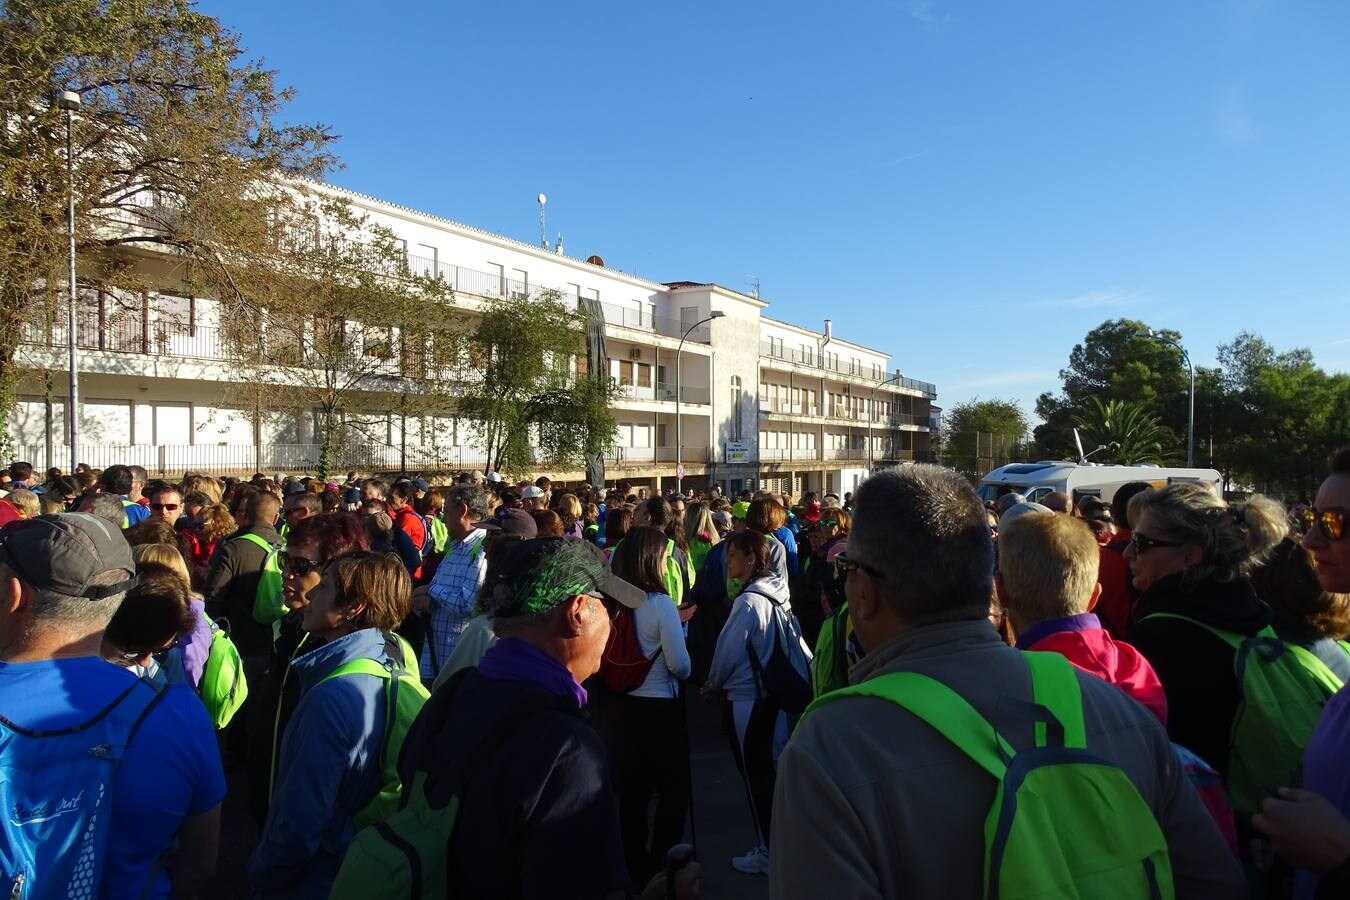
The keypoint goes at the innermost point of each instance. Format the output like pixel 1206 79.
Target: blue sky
pixel 971 186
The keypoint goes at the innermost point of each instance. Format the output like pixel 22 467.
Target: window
pixel 427 261
pixel 736 408
pixel 498 278
pixel 661 436
pixel 644 375
pixel 520 284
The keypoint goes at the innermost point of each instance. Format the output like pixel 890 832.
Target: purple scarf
pixel 512 658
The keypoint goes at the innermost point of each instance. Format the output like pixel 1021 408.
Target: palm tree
pixel 1130 432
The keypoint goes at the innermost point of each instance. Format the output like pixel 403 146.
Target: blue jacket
pixel 328 768
pixel 784 535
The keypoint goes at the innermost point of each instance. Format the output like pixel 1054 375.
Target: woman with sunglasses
pixel 329 765
pixel 314 542
pixel 151 621
pixel 1310 826
pixel 1190 555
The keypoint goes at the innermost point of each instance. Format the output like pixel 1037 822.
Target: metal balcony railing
pixel 819 361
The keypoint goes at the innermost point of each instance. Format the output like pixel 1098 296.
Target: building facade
pixel 761 401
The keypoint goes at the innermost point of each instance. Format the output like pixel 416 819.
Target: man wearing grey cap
pixel 61 579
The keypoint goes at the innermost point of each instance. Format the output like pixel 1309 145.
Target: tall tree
pixel 334 321
pixel 1115 362
pixel 521 389
pixel 979 435
pixel 1126 430
pixel 177 149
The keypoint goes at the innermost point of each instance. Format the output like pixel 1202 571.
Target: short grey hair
pixel 106 506
pixel 923 529
pixel 63 612
pixel 472 496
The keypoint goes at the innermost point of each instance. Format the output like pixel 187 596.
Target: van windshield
pixel 989 492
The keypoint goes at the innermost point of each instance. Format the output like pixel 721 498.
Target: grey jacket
pixel 871 802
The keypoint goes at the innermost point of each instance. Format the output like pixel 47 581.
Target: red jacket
pixel 410 523
pixel 1083 641
pixel 1117 600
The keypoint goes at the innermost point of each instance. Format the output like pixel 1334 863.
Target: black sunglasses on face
pixel 159 654
pixel 1142 543
pixel 299 565
pixel 1330 521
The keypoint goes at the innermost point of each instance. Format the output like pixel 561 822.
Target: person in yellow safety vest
pixel 679 576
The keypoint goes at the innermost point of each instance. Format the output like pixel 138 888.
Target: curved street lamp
pixel 1190 421
pixel 679 435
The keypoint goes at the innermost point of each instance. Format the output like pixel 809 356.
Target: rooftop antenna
pixel 559 248
pixel 543 234
pixel 754 286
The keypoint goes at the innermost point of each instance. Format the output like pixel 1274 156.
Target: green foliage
pixel 174 147
pixel 520 390
pixel 980 435
pixel 1130 433
pixel 1115 363
pixel 331 314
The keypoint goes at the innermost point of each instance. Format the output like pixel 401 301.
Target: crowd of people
pixel 481 688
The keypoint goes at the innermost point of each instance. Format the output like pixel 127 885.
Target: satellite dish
pixel 542 199
pixel 595 261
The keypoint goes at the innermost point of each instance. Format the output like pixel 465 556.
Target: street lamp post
pixel 872 414
pixel 679 434
pixel 70 102
pixel 1190 420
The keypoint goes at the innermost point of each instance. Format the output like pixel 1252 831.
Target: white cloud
pixel 1102 298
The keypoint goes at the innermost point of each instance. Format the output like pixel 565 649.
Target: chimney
pixel 829 333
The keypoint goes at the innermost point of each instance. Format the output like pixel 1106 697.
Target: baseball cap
pixel 531 492
pixel 493 477
pixel 811 512
pixel 293 487
pixel 537 575
pixel 517 521
pixel 421 484
pixel 740 509
pixel 64 552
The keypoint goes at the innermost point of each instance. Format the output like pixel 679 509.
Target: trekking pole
pixel 689 765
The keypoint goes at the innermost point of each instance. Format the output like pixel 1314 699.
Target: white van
pixel 1078 480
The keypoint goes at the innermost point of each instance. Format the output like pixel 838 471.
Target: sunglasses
pixel 843 566
pixel 1331 522
pixel 159 654
pixel 1142 543
pixel 299 565
pixel 171 507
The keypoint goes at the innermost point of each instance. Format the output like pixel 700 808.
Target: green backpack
pixel 267 603
pixel 404 697
pixel 830 663
pixel 1064 823
pixel 1282 688
pixel 440 534
pixel 223 688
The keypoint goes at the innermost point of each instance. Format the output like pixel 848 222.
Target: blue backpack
pixel 56 797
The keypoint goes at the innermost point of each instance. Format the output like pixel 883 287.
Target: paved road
pixel 723 822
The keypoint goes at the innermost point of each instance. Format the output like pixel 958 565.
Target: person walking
pixel 652 718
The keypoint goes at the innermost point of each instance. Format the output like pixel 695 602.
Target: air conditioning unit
pixel 635 353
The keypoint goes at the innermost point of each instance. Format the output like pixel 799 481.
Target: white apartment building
pixel 763 402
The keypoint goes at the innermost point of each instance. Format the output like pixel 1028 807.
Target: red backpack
pixel 623 667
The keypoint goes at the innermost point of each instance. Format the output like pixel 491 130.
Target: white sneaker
pixel 756 862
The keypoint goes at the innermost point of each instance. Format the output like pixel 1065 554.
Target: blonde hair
pixel 205 484
pixel 698 525
pixel 1232 539
pixel 26 502
pixel 217 523
pixel 1048 566
pixel 166 555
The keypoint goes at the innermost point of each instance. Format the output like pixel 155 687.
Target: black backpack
pixel 785 684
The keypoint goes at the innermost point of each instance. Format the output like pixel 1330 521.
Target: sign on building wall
pixel 738 452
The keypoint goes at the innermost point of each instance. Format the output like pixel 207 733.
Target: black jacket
pixel 1196 667
pixel 232 583
pixel 538 815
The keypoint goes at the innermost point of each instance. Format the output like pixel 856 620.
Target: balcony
pixel 651 455
pixel 821 363
pixel 789 408
pixel 491 286
pixel 664 392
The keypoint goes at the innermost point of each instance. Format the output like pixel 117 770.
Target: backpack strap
pixel 944 710
pixel 1055 687
pixel 1231 638
pixel 255 539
